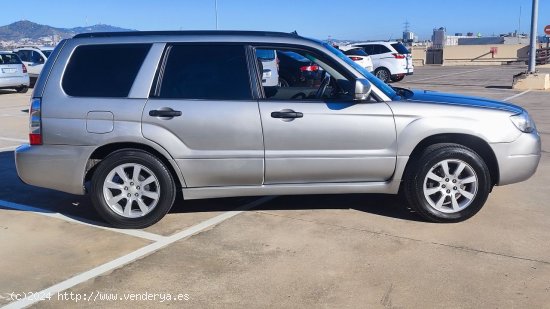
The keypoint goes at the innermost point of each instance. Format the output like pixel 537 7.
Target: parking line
pixel 91 223
pixel 128 258
pixel 10 148
pixel 9 139
pixel 516 95
pixel 451 74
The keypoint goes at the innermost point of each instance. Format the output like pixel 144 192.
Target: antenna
pixel 519 23
pixel 407 25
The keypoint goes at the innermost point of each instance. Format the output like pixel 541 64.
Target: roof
pixel 183 33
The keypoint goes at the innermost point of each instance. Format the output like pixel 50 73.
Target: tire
pixel 383 74
pixel 397 78
pixel 424 193
pixel 23 89
pixel 149 202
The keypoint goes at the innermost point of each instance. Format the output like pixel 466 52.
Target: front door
pixel 315 133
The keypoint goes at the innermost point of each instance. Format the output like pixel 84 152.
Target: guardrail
pixel 543 56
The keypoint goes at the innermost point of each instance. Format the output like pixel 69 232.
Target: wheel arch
pixel 477 144
pixel 105 150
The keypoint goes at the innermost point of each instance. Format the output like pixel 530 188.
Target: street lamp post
pixel 216 11
pixel 533 38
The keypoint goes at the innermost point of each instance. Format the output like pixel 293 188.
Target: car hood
pixel 462 100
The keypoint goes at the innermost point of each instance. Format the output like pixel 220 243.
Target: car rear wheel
pixel 383 74
pixel 283 83
pixel 447 183
pixel 23 89
pixel 132 189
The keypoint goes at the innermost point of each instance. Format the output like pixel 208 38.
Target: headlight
pixel 523 122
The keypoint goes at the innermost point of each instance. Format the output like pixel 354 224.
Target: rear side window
pixel 103 70
pixel 400 48
pixel 9 59
pixel 206 72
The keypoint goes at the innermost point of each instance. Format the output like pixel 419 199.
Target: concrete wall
pixel 480 54
pixel 419 55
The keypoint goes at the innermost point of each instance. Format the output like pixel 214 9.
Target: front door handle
pixel 287 114
pixel 164 113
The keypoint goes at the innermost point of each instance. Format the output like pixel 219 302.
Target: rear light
pixel 35 122
pixel 309 68
pixel 399 56
pixel 24 68
pixel 356 58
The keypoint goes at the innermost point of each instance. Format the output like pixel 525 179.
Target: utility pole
pixel 533 38
pixel 216 10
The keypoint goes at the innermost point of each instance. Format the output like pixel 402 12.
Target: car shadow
pixel 24 197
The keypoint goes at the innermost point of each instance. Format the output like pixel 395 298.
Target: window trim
pixel 157 82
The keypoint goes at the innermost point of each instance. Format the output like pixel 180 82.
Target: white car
pixel 359 55
pixel 13 73
pixel 34 58
pixel 268 57
pixel 392 60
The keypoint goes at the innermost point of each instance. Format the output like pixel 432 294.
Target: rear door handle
pixel 164 113
pixel 287 114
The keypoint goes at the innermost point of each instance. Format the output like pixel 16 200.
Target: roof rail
pixel 188 32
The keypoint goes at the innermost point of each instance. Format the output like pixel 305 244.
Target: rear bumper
pixel 518 160
pixel 57 167
pixel 14 82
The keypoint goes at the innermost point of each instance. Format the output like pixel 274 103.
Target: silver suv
pixel 133 118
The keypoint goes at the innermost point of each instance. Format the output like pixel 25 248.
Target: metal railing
pixel 543 56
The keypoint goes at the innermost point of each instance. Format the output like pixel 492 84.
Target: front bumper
pixel 518 160
pixel 57 167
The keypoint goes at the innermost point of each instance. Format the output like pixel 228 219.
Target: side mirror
pixel 362 90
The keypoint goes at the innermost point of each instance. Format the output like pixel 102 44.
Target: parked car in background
pixel 392 60
pixel 296 70
pixel 34 58
pixel 270 65
pixel 359 55
pixel 13 73
pixel 135 118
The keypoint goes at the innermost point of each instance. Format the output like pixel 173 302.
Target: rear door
pixel 203 112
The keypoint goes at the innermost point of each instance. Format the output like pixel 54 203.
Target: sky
pixel 350 19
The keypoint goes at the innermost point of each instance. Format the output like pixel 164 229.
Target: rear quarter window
pixel 400 48
pixel 103 70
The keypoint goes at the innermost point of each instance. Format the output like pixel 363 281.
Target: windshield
pixel 387 90
pixel 9 59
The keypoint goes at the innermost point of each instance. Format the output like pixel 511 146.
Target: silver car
pixel 134 118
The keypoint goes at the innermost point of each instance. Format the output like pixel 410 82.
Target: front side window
pixel 103 70
pixel 209 72
pixel 24 55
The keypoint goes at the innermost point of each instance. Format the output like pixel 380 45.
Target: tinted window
pixel 400 48
pixel 295 56
pixel 9 59
pixel 47 53
pixel 369 49
pixel 265 54
pixel 206 72
pixel 103 70
pixel 356 52
pixel 383 49
pixel 24 55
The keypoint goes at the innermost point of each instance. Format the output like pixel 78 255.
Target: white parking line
pixel 516 95
pixel 10 148
pixel 139 253
pixel 9 139
pixel 128 258
pixel 451 74
pixel 91 223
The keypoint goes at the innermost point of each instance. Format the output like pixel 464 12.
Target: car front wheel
pixel 447 183
pixel 132 189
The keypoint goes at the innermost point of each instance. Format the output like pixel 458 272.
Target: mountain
pixel 27 29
